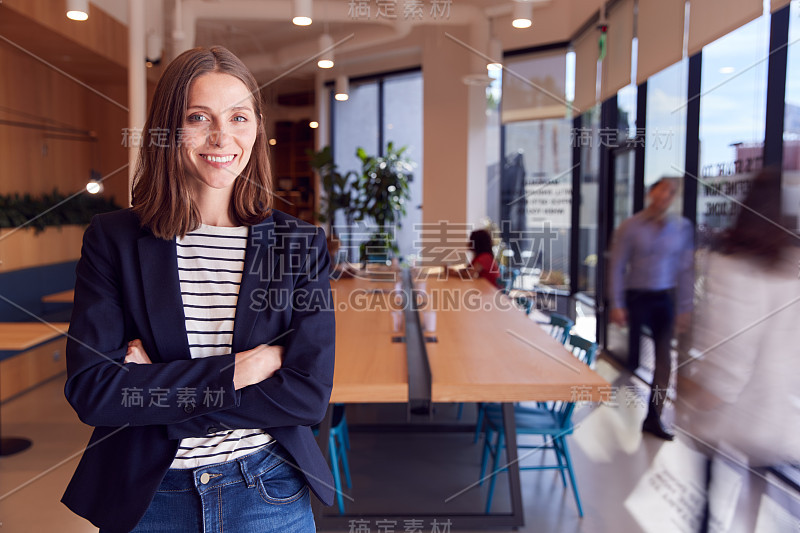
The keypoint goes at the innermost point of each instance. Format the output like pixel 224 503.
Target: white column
pixel 137 80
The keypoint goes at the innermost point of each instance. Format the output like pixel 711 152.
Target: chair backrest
pixel 508 276
pixel 560 327
pixel 563 412
pixel 584 350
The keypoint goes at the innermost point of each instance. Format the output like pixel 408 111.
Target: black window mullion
pixel 641 141
pixel 575 230
pixel 776 88
pixel 381 109
pixel 692 164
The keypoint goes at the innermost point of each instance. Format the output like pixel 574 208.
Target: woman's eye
pixel 240 118
pixel 196 118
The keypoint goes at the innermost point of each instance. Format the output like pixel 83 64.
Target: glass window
pixel 536 178
pixel 402 125
pixel 791 125
pixel 732 118
pixel 493 132
pixel 623 185
pixel 665 140
pixel 626 113
pixel 356 123
pixel 590 177
pixel 539 200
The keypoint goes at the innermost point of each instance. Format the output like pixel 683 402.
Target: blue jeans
pixel 259 493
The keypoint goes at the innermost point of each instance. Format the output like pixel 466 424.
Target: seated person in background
pixel 339 270
pixel 483 264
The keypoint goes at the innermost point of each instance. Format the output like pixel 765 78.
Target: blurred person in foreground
pixel 738 395
pixel 652 274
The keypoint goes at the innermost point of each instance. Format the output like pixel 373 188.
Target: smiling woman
pixel 218 137
pixel 202 402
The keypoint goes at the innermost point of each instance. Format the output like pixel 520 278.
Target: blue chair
pixel 559 330
pixel 583 349
pixel 560 327
pixel 338 444
pixel 549 419
pixel 553 423
pixel 508 276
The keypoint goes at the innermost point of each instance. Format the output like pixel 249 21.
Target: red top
pixel 486 267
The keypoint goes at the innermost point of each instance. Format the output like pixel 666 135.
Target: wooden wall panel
pixel 108 122
pixel 32 159
pixel 24 248
pixel 102 34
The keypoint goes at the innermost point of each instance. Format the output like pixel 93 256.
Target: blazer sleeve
pixel 100 386
pixel 299 392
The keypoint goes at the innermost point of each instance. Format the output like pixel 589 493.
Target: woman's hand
pixel 136 353
pixel 256 365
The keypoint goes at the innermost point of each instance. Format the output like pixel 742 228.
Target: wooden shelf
pixel 295 183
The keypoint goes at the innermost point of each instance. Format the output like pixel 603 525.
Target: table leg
pixel 512 458
pixel 12 445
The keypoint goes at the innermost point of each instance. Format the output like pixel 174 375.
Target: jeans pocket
pixel 281 485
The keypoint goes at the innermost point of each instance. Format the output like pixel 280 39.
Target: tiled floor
pixel 615 464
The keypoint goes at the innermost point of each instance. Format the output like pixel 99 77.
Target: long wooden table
pixel 487 350
pixel 66 297
pixel 483 350
pixel 19 336
pixel 370 367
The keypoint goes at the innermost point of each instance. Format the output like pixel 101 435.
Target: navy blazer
pixel 127 288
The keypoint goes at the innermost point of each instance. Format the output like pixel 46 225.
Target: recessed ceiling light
pixel 302 13
pixel 78 9
pixel 523 15
pixel 326 48
pixel 342 89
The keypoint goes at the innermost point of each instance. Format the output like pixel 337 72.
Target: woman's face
pixel 219 130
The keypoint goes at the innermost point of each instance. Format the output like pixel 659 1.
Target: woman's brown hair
pixel 160 193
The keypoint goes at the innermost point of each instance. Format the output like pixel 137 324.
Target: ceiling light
pixel 94 186
pixel 273 142
pixel 523 15
pixel 78 9
pixel 342 89
pixel 154 47
pixel 313 124
pixel 727 70
pixel 326 47
pixel 495 55
pixel 302 13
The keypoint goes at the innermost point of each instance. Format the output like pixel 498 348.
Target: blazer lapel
pixel 259 264
pixel 158 259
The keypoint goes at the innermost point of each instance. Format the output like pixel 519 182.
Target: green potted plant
pixel 340 192
pixel 338 187
pixel 384 189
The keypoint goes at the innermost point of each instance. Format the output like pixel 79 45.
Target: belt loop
pixel 248 477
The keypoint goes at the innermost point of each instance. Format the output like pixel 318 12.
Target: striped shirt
pixel 210 265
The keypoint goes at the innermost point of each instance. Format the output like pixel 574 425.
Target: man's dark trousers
pixel 656 310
